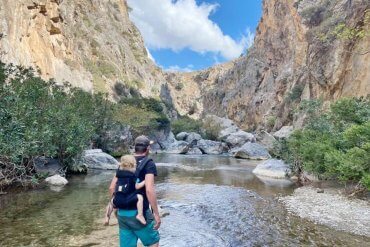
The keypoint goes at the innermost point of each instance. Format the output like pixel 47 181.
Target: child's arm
pixel 140 185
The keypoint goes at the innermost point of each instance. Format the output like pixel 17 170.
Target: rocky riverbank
pixel 331 209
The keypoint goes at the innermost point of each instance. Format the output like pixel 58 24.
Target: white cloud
pixel 184 24
pixel 149 55
pixel 176 68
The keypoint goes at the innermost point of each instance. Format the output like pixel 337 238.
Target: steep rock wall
pixel 90 43
pixel 299 53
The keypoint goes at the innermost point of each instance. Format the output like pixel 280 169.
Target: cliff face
pixel 304 49
pixel 89 43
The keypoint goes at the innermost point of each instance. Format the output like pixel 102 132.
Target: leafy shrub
pixel 186 124
pixel 40 118
pixel 333 144
pixel 271 120
pixel 142 120
pixel 211 129
pixel 296 93
pixel 149 104
pixel 179 86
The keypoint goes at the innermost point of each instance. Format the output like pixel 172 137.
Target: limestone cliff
pixel 303 49
pixel 89 43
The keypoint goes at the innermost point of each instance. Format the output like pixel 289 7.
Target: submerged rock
pixel 97 159
pixel 56 180
pixel 252 151
pixel 194 150
pixel 273 169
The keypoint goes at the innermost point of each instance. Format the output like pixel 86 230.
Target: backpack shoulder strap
pixel 142 165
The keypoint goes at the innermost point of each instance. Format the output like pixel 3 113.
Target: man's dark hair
pixel 140 149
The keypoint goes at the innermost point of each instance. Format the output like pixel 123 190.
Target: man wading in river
pixel 130 229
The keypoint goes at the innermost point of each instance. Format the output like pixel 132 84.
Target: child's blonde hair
pixel 128 162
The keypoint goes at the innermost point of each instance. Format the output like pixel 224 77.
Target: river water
pixel 212 200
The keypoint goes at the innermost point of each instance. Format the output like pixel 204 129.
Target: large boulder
pixel 225 125
pixel 178 147
pixel 284 132
pixel 117 139
pixel 97 159
pixel 182 136
pixel 212 147
pixel 252 151
pixel 193 137
pixel 267 140
pixel 48 166
pixel 239 138
pixel 163 138
pixel 273 169
pixel 56 180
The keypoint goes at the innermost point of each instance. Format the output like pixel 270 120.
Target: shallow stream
pixel 212 200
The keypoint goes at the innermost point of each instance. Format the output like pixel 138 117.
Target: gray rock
pixel 182 136
pixel 226 125
pixel 267 140
pixel 97 159
pixel 56 180
pixel 117 139
pixel 252 151
pixel 224 133
pixel 163 139
pixel 178 147
pixel 273 169
pixel 284 132
pixel 239 138
pixel 194 150
pixel 49 166
pixel 212 147
pixel 193 137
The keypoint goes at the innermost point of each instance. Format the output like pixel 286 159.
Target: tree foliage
pixel 334 143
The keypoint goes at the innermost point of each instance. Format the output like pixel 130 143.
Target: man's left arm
pixel 152 198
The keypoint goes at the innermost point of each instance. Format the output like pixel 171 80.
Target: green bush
pixel 296 93
pixel 210 129
pixel 42 118
pixel 149 104
pixel 333 144
pixel 143 118
pixel 186 124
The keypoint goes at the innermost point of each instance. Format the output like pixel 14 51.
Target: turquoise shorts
pixel 130 229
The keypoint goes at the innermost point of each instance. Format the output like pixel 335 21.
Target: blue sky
pixel 195 34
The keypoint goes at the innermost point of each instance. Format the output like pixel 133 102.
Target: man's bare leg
pixel 140 204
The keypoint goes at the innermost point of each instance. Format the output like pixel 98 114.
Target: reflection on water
pixel 212 200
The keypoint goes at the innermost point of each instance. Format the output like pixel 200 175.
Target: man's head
pixel 142 144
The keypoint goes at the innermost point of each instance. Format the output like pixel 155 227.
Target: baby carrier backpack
pixel 125 196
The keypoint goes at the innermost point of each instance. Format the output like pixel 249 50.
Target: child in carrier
pixel 126 194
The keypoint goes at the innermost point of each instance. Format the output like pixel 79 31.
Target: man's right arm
pixel 152 198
